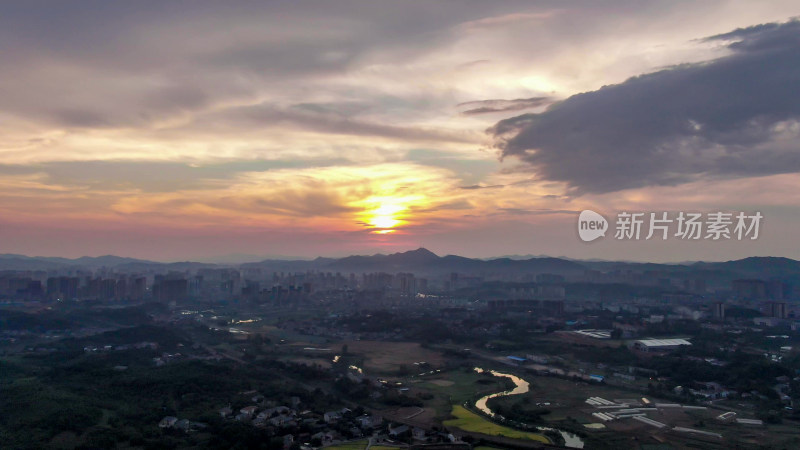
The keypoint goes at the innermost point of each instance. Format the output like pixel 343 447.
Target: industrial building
pixel 659 345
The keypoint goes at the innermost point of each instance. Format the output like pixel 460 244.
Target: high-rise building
pixel 63 288
pixel 168 290
pixel 776 309
pixel 138 288
pixel 406 284
pixel 718 310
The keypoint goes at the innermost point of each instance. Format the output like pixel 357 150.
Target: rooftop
pixel 663 342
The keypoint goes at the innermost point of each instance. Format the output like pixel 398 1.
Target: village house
pixel 282 420
pixel 325 437
pixel 183 424
pixel 260 421
pixel 367 421
pixel 249 411
pixel 168 422
pixel 331 416
pixel 278 410
pixel 398 431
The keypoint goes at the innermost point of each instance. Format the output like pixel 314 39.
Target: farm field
pixel 456 387
pixel 469 421
pixel 388 357
pixel 359 445
pixel 460 386
pixel 325 363
pixel 566 398
pixel 353 445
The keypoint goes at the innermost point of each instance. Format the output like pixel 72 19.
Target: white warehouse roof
pixel 663 342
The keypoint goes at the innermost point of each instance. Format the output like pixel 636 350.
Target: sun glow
pixel 385 214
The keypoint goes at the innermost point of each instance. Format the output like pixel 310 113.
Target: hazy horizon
pixel 236 259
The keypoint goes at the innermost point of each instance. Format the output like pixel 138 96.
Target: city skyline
pixel 192 132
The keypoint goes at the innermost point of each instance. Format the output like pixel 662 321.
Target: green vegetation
pixel 359 445
pixel 67 317
pixel 354 445
pixel 462 385
pixel 459 386
pixel 469 421
pixel 519 408
pixel 103 399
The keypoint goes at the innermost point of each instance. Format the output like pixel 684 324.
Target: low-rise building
pixel 168 422
pixel 659 345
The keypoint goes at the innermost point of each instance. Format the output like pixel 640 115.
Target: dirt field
pixel 415 416
pixel 324 363
pixel 387 357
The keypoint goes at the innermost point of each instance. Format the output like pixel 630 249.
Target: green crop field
pixel 461 386
pixel 469 421
pixel 354 445
pixel 359 445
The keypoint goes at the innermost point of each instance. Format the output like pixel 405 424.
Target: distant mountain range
pixel 10 261
pixel 425 262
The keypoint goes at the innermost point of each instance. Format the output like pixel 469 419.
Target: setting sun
pixel 387 213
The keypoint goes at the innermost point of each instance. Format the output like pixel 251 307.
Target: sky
pixel 239 130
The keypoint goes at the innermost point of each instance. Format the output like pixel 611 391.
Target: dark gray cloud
pixel 481 186
pixel 113 64
pixel 265 116
pixel 102 64
pixel 734 116
pixel 79 118
pixel 499 105
pixel 522 211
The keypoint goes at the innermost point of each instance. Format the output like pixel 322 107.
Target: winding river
pixel 520 387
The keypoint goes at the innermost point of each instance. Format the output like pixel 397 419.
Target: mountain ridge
pixel 422 260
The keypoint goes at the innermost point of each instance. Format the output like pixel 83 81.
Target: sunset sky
pixel 238 130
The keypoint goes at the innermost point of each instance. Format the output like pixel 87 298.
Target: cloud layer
pixel 734 116
pixel 155 128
